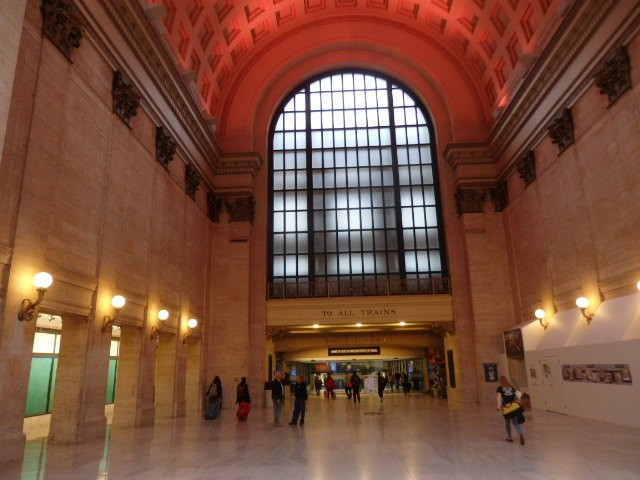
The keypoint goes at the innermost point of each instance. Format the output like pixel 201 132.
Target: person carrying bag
pixel 510 408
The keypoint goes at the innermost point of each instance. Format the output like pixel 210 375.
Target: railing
pixel 359 288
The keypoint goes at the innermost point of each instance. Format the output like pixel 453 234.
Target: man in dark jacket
pixel 300 403
pixel 277 396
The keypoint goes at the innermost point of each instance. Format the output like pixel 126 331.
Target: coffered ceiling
pixel 492 42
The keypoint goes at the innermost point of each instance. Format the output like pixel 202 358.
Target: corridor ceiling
pixel 491 44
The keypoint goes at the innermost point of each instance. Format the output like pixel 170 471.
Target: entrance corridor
pixel 412 437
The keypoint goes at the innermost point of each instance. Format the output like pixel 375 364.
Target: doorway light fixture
pixel 162 318
pixel 117 302
pixel 192 323
pixel 29 309
pixel 540 314
pixel 583 303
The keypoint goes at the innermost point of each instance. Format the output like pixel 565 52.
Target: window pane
pixel 355 169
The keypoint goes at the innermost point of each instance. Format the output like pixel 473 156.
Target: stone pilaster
pixel 166 375
pixel 78 405
pixel 136 379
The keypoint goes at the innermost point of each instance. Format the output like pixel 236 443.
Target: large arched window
pixel 353 191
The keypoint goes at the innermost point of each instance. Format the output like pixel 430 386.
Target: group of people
pixel 508 398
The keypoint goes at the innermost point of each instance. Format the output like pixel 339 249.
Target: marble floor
pixel 410 437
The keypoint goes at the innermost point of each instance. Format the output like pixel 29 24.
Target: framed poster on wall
pixel 513 344
pixel 490 372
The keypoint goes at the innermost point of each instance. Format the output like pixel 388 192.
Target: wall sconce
pixel 162 317
pixel 29 309
pixel 192 323
pixel 117 302
pixel 583 303
pixel 540 314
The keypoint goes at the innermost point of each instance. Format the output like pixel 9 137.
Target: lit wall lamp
pixel 42 281
pixel 162 317
pixel 583 303
pixel 540 314
pixel 638 285
pixel 117 302
pixel 192 323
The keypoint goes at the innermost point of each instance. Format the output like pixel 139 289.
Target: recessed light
pixel 358 324
pixel 402 324
pixel 315 325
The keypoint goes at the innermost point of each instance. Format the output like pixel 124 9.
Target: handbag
pixel 511 409
pixel 520 419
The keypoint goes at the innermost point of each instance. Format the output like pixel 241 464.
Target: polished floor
pixel 411 437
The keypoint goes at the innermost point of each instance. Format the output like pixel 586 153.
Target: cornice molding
pixel 580 24
pixel 134 26
pixel 459 154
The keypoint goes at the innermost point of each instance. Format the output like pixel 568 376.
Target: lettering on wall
pixel 360 312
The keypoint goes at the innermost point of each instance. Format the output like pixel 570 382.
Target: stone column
pixel 81 382
pixel 135 384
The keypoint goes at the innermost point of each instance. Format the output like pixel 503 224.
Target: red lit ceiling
pixel 492 41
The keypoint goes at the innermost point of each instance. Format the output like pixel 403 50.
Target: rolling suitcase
pixel 213 409
pixel 243 411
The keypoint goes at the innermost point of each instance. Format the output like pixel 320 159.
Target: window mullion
pixel 396 184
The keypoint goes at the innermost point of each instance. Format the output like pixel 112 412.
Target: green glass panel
pixel 111 380
pixel 38 392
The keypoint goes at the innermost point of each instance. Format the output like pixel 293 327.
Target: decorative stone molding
pixel 527 168
pixel 470 201
pixel 165 147
pixel 191 181
pixel 443 328
pixel 614 76
pixel 500 196
pixel 61 26
pixel 126 98
pixel 241 209
pixel 214 207
pixel 561 130
pixel 464 154
pixel 275 332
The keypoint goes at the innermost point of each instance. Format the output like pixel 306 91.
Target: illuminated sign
pixel 354 351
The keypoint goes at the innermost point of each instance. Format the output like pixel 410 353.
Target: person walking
pixel 214 397
pixel 347 385
pixel 330 385
pixel 214 393
pixel 243 399
pixel 300 401
pixel 382 383
pixel 317 383
pixel 277 397
pixel 356 382
pixel 508 397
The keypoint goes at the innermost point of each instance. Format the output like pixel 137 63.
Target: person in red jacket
pixel 330 385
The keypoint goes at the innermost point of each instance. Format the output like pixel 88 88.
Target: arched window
pixel 354 195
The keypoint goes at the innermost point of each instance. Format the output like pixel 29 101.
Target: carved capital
pixel 191 181
pixel 614 76
pixel 214 207
pixel 527 168
pixel 165 147
pixel 60 25
pixel 561 130
pixel 470 200
pixel 126 98
pixel 241 209
pixel 443 328
pixel 275 332
pixel 500 196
